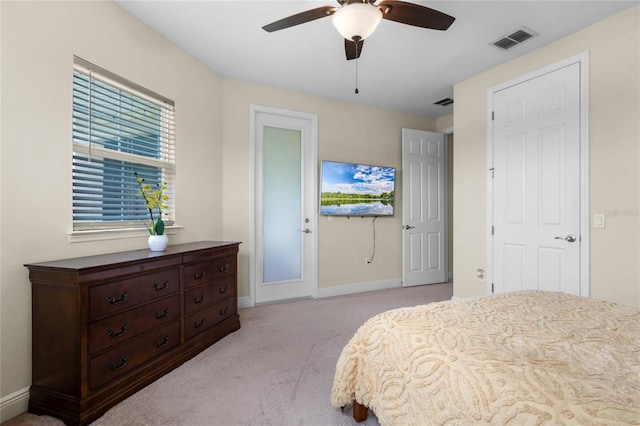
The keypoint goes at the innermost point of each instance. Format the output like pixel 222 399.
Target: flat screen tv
pixel 349 189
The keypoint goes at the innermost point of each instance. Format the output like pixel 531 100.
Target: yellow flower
pixel 153 199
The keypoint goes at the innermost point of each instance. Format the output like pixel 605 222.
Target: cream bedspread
pixel 529 357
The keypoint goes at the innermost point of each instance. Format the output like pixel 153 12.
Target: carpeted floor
pixel 276 370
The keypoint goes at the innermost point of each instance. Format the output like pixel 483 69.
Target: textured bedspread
pixel 529 357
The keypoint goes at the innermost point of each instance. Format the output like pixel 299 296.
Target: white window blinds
pixel 119 129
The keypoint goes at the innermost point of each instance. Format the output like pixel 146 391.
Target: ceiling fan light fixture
pixel 357 21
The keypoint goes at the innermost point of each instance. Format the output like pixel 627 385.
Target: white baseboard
pixel 244 302
pixel 339 290
pixel 359 288
pixel 14 404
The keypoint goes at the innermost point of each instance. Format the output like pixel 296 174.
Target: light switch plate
pixel 598 221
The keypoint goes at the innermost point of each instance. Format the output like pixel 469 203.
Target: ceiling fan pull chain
pixel 356 91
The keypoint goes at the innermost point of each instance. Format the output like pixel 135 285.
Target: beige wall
pixel 39 40
pixel 346 132
pixel 614 134
pixel 444 123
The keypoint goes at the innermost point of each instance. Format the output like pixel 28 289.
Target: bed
pixel 529 357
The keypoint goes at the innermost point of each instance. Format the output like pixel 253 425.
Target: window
pixel 119 129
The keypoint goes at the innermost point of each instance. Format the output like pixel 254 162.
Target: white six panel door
pixel 536 187
pixel 423 207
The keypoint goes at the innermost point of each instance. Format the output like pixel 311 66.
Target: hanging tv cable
pixel 373 252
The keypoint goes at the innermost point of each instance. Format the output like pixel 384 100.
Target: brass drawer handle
pixel 114 301
pixel 223 290
pixel 198 300
pixel 164 286
pixel 120 334
pixel 199 324
pixel 200 275
pixel 111 366
pixel 225 267
pixel 163 343
pixel 163 315
pixel 223 311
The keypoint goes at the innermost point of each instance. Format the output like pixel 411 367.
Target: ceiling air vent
pixel 516 37
pixel 443 102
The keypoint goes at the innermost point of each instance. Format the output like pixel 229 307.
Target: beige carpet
pixel 276 370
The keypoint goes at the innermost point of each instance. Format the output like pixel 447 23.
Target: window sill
pixel 115 234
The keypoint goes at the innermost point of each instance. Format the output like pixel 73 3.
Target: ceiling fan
pixel 357 19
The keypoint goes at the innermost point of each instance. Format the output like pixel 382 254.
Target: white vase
pixel 158 242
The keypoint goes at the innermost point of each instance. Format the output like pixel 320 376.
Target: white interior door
pixel 536 184
pixel 284 188
pixel 423 207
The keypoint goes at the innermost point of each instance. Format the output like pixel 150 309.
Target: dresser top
pixel 134 256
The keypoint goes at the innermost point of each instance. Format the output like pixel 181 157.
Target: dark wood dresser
pixel 106 326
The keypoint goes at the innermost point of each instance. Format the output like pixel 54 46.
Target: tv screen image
pixel 349 189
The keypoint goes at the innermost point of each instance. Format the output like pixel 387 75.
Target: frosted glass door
pixel 282 208
pixel 284 213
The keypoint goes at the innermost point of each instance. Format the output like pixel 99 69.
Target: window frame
pixel 98 229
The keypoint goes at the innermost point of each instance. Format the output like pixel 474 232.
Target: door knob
pixel 306 230
pixel 409 227
pixel 570 238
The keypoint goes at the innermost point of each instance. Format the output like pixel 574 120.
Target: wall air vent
pixel 443 102
pixel 515 38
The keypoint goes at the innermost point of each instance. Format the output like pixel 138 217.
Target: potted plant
pixel 154 198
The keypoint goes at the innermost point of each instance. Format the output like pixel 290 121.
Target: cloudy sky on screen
pixel 356 178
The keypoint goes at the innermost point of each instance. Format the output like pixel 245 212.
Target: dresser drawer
pixel 208 317
pixel 202 272
pixel 124 358
pixel 206 294
pixel 126 325
pixel 119 295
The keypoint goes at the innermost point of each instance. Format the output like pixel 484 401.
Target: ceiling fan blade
pixel 300 18
pixel 351 50
pixel 416 15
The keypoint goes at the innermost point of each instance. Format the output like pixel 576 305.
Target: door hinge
pixel 492 170
pixel 492 229
pixel 492 288
pixel 493 115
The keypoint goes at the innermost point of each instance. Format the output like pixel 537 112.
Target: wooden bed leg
pixel 360 412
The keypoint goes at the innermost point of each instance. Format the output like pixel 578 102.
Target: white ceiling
pixel 402 68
